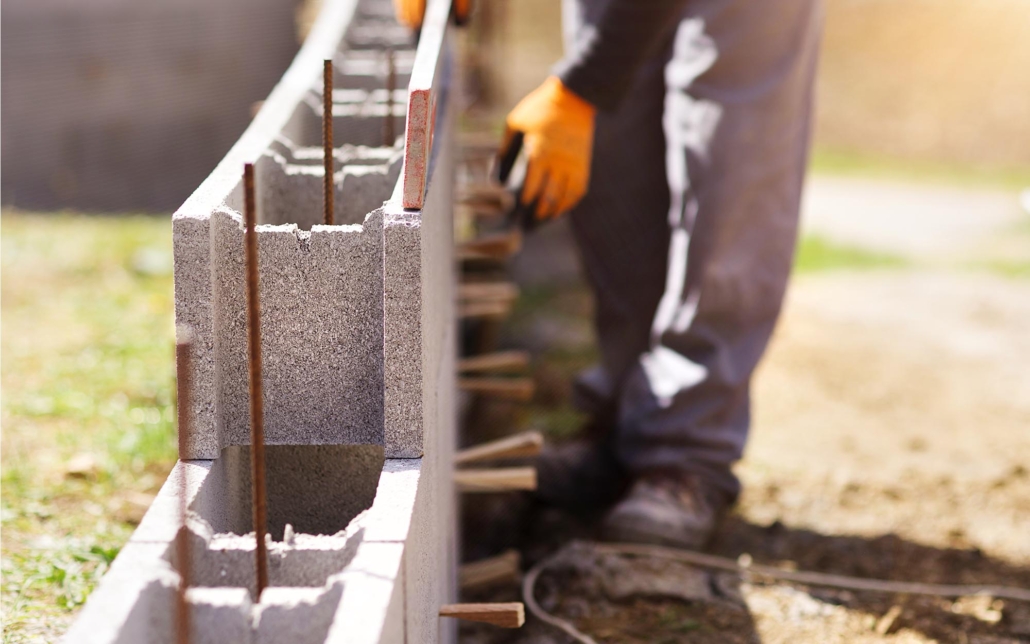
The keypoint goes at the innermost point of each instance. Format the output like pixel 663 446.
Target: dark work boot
pixel 581 477
pixel 678 510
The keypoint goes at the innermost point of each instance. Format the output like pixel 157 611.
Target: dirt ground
pixel 891 439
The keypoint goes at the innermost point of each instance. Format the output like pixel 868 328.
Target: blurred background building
pixel 123 105
pixel 116 105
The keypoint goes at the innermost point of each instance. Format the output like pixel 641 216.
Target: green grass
pixel 816 254
pixel 1013 269
pixel 839 162
pixel 87 371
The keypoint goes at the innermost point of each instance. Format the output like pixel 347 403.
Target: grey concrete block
pixel 366 68
pixel 318 489
pixel 389 517
pixel 296 615
pixel 220 616
pixel 358 123
pixel 322 332
pixel 227 560
pixel 191 245
pixel 372 608
pixel 132 602
pixel 402 335
pixel 162 519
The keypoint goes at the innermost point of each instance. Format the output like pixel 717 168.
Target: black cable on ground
pixel 715 562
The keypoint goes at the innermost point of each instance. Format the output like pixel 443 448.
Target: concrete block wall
pixel 323 344
pixel 358 348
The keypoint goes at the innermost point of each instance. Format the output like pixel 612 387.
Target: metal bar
pixel 257 412
pixel 389 135
pixel 327 140
pixel 183 404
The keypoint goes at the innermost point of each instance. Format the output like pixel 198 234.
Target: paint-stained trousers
pixel 687 231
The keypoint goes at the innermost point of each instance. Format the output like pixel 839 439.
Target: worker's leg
pixel 620 225
pixel 736 121
pixel 623 238
pixel 722 128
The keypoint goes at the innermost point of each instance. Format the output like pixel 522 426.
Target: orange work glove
pixel 558 128
pixel 411 12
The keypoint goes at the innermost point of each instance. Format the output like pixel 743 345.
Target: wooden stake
pixel 520 389
pixel 501 479
pixel 327 142
pixel 257 406
pixel 494 246
pixel 488 196
pixel 525 444
pixel 506 615
pixel 492 570
pixel 505 291
pixel 488 309
pixel 500 361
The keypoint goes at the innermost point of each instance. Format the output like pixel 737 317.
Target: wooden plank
pixel 501 479
pixel 502 568
pixel 505 615
pixel 488 194
pixel 488 291
pixel 488 309
pixel 525 444
pixel 492 246
pixel 521 389
pixel 422 96
pixel 502 361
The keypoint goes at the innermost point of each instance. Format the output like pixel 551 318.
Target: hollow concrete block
pixel 322 332
pixel 296 615
pixel 220 616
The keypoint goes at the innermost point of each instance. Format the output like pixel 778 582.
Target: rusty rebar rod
pixel 183 407
pixel 389 136
pixel 327 141
pixel 257 411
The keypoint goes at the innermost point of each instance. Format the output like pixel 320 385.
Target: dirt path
pixel 897 404
pixel 929 222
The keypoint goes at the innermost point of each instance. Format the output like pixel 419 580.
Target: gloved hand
pixel 411 12
pixel 558 129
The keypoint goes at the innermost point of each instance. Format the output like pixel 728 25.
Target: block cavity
pixel 291 190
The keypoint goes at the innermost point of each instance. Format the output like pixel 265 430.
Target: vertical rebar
pixel 327 140
pixel 389 136
pixel 183 407
pixel 257 411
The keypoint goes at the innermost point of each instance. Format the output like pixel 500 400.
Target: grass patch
pixel 815 253
pixel 840 162
pixel 87 374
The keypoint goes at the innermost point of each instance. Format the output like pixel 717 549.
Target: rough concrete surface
pixel 321 332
